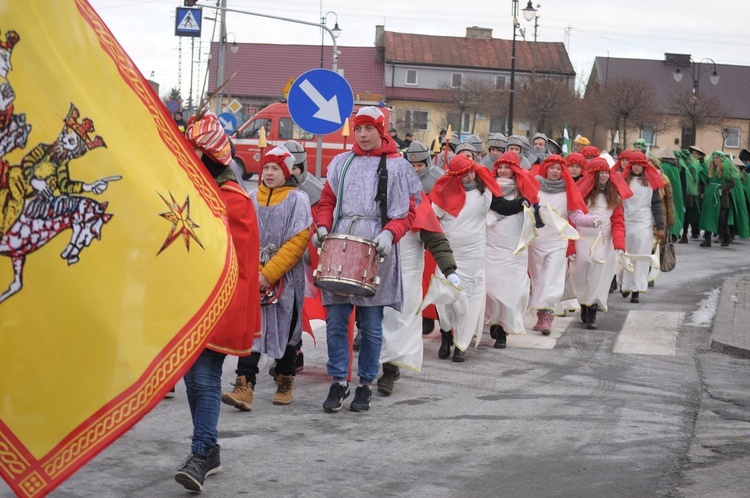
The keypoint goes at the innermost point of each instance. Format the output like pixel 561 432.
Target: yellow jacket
pixel 292 250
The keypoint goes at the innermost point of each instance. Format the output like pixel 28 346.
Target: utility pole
pixel 222 53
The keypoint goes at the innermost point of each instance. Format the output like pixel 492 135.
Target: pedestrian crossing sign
pixel 188 22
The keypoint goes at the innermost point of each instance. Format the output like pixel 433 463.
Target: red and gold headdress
pixel 11 38
pixel 83 129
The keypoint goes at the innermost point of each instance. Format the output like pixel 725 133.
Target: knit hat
pixel 207 135
pixel 282 157
pixel 299 153
pixel 590 152
pixel 581 140
pixel 527 184
pixel 370 115
pixel 418 153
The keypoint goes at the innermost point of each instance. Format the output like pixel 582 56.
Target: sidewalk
pixel 731 328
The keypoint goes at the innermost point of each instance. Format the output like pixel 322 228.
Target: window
pixel 417 120
pixel 457 80
pixel 253 128
pixel 466 123
pixel 411 76
pixel 732 138
pixel 648 133
pixel 454 120
pixel 497 125
pixel 287 130
pixel 499 83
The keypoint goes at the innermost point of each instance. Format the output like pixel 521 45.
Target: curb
pixel 730 332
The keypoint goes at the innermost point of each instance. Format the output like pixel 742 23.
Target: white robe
pixel 402 331
pixel 547 260
pixel 467 234
pixel 591 280
pixel 508 281
pixel 639 234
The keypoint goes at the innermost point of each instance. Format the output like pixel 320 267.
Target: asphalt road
pixel 563 416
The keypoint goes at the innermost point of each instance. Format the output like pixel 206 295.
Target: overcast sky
pixel 589 28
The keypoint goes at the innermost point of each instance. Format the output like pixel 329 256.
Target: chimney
pixel 379 35
pixel 479 33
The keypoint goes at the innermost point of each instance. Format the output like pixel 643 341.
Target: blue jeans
pixel 371 327
pixel 203 383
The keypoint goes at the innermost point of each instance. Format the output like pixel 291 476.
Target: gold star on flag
pixel 182 225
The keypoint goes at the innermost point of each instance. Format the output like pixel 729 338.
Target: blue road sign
pixel 320 100
pixel 173 106
pixel 228 122
pixel 188 22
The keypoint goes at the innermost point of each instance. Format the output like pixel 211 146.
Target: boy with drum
pixel 369 193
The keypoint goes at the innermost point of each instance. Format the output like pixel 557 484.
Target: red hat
pixel 576 158
pixel 370 115
pixel 449 194
pixel 590 151
pixel 527 184
pixel 652 175
pixel 209 136
pixel 575 201
pixel 281 156
pixel 600 164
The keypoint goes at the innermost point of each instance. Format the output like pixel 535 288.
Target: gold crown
pixel 83 129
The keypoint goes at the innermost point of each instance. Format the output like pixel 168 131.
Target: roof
pixel 494 54
pixel 264 69
pixel 731 91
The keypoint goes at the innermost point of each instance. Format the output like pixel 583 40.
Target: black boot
pixel 635 298
pixel 584 313
pixel 458 356
pixel 591 317
pixel 446 340
pixel 428 325
pixel 501 338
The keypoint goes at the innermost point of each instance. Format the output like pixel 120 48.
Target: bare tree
pixel 546 102
pixel 698 111
pixel 624 103
pixel 475 96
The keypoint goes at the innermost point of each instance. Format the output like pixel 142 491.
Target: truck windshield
pixel 253 129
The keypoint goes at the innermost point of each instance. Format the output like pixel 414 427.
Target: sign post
pixel 320 101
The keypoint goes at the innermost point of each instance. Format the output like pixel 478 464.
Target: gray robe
pixel 311 186
pixel 429 176
pixel 358 199
pixel 277 224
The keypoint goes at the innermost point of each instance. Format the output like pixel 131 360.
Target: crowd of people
pixel 490 234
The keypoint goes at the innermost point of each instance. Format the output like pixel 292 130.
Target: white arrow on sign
pixel 328 110
pixel 226 124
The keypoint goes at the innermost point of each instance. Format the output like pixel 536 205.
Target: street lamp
pixel 234 48
pixel 335 32
pixel 695 73
pixel 528 13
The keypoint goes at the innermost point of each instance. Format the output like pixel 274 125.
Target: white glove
pixel 384 240
pixel 597 223
pixel 453 278
pixel 619 252
pixel 572 257
pixel 319 235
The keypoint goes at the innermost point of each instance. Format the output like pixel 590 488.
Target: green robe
pixel 738 215
pixel 673 173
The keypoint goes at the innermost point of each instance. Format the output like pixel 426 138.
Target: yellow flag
pixel 116 257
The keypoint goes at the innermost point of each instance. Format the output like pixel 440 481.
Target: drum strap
pixel 340 192
pixel 382 194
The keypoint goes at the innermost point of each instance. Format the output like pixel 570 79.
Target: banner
pixel 566 142
pixel 116 258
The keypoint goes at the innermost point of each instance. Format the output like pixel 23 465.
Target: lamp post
pixel 336 32
pixel 528 13
pixel 695 73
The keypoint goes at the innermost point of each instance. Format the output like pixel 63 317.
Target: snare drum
pixel 348 266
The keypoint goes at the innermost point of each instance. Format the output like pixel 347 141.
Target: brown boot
pixel 242 395
pixel 544 322
pixel 284 389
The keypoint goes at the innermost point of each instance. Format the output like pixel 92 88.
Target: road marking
pixel 650 332
pixel 535 340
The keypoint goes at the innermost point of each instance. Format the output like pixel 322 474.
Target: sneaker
pixel 362 397
pixel 170 394
pixel 336 396
pixel 214 461
pixel 284 390
pixel 242 395
pixel 192 473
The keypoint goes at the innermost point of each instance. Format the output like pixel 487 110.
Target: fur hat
pixel 497 140
pixel 467 146
pixel 476 142
pixel 418 153
pixel 520 141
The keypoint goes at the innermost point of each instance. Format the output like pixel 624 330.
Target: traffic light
pixel 190 3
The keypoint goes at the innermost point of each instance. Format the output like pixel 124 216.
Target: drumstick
pixel 317 232
pixel 111 178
